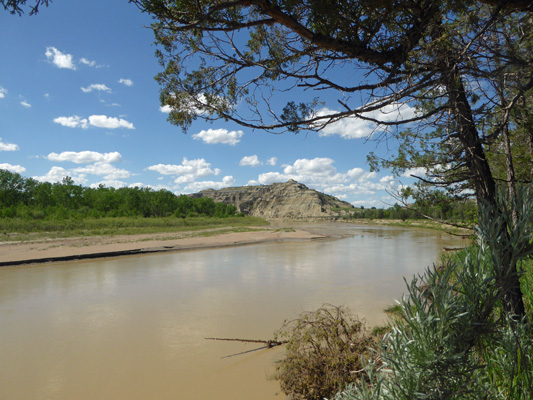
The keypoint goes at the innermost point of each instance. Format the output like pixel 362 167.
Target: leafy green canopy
pixel 27 198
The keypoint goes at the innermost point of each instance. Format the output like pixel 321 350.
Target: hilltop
pixel 289 200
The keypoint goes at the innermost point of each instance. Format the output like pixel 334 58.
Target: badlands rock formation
pixel 289 200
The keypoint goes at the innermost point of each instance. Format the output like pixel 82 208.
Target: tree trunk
pixel 484 184
pixel 530 143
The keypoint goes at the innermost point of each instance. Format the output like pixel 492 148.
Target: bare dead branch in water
pixel 269 343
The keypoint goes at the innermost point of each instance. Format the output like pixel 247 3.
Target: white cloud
pixel 193 104
pixel 272 161
pixel 108 171
pixel 24 103
pixel 268 178
pixel 126 82
pixel 356 128
pixel 103 121
pixel 186 172
pixel 85 157
pixel 96 86
pixel 3 92
pixel 8 146
pixel 165 109
pixel 250 161
pixel 109 183
pixel 194 187
pixel 90 63
pixel 56 174
pixel 72 122
pixel 315 167
pixel 359 174
pixel 79 175
pixel 419 171
pixel 99 121
pixel 59 59
pixel 387 180
pixel 17 169
pixel 215 136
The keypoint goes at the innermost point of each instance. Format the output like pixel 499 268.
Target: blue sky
pixel 78 99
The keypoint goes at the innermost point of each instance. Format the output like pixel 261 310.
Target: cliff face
pixel 289 200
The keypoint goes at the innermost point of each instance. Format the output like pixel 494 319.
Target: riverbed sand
pixel 54 250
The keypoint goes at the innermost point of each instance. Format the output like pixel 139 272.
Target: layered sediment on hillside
pixel 289 200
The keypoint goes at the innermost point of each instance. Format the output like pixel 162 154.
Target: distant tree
pixel 28 198
pixel 11 187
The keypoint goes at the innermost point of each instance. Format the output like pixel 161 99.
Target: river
pixel 134 327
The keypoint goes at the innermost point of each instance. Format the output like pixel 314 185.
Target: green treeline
pixel 443 209
pixel 27 198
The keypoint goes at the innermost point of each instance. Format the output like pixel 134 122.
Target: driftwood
pixel 269 343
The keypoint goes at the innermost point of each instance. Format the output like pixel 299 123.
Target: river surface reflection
pixel 134 328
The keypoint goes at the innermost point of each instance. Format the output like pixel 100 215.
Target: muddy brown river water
pixel 133 328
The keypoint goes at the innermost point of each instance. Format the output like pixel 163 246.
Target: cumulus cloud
pixel 317 167
pixel 194 187
pixel 356 128
pixel 56 174
pixel 110 183
pixel 59 59
pixel 72 122
pixel 8 146
pixel 3 92
pixel 222 136
pixel 85 61
pixel 85 157
pixel 186 172
pixel 96 86
pixel 250 161
pixel 126 82
pixel 99 121
pixel 165 109
pixel 268 178
pixel 103 121
pixel 108 171
pixel 387 180
pixel 17 169
pixel 272 161
pixel 192 104
pixel 419 171
pixel 24 103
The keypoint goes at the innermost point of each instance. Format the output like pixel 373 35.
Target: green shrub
pixel 457 337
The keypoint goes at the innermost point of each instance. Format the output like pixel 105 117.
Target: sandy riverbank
pixel 54 250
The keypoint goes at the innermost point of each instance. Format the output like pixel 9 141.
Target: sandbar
pixel 91 247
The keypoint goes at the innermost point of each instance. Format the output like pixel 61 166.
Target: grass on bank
pixel 419 224
pixel 18 229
